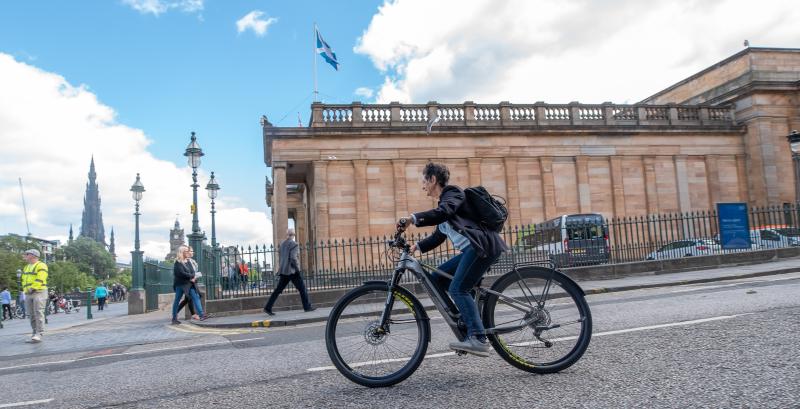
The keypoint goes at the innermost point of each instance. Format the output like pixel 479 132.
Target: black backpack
pixel 488 210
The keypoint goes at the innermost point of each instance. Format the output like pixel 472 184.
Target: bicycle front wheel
pixel 540 319
pixel 367 354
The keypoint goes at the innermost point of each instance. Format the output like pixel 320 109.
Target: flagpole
pixel 316 94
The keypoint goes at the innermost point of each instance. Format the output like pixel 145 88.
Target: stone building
pixel 718 136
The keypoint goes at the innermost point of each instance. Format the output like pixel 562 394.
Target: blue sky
pixel 128 80
pixel 192 71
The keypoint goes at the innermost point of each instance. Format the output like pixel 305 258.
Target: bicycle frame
pixel 445 305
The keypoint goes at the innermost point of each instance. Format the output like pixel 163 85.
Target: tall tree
pixel 90 256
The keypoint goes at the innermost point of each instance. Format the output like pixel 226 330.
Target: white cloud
pixel 254 21
pixel 560 51
pixel 49 129
pixel 364 92
pixel 158 7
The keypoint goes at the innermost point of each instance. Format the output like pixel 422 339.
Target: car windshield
pixel 789 231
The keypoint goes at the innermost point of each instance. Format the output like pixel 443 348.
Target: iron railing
pixel 347 263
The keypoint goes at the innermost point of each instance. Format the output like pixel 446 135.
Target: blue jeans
pixel 467 269
pixel 195 298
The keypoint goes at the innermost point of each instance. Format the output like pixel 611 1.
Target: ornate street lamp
pixel 137 190
pixel 213 188
pixel 794 144
pixel 193 154
pixel 19 286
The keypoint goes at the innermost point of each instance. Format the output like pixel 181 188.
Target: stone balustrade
pixel 470 114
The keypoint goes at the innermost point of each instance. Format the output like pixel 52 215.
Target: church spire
pixel 111 247
pixel 92 220
pixel 70 233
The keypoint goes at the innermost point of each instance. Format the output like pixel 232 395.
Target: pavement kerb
pixel 602 290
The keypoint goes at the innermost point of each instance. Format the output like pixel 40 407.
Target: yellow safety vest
pixel 34 277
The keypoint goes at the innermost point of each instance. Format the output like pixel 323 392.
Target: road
pixel 722 344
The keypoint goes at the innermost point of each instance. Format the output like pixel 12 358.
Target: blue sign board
pixel 734 231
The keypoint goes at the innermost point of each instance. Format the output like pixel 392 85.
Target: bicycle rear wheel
pixel 364 353
pixel 557 320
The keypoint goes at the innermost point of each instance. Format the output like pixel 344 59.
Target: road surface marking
pixel 148 351
pixel 27 403
pixel 599 334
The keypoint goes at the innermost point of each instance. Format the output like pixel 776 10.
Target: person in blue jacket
pixel 101 292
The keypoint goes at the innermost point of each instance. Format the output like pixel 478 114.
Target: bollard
pixel 89 304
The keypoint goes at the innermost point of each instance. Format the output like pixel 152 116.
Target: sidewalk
pixel 63 321
pixel 298 317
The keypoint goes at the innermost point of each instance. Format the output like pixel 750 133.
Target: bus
pixel 569 240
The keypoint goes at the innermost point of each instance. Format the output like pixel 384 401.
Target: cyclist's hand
pixel 414 248
pixel 402 224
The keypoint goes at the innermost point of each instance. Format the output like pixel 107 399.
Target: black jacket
pixel 182 275
pixel 486 243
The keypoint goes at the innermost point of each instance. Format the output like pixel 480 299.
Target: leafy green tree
pixel 65 276
pixel 90 256
pixel 9 263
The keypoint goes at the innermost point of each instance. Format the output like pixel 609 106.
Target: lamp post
pixel 213 188
pixel 193 154
pixel 19 293
pixel 136 304
pixel 794 144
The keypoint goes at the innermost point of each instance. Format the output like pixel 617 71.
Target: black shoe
pixel 176 322
pixel 268 312
pixel 311 309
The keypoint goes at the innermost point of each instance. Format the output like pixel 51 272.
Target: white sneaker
pixel 36 338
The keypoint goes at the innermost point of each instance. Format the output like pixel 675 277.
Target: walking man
pixel 289 270
pixel 34 284
pixel 5 299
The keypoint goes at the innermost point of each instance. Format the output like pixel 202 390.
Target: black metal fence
pixel 250 271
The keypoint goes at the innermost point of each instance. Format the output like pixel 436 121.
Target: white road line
pixel 27 403
pixel 598 334
pixel 117 354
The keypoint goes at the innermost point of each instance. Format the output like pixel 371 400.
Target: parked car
pixel 685 248
pixel 775 238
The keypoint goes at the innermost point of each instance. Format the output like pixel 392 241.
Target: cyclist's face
pixel 430 187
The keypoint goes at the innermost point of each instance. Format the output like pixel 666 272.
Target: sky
pixel 126 81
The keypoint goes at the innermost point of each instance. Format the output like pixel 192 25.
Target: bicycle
pixel 536 319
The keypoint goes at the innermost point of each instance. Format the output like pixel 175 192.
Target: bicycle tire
pixel 522 348
pixel 354 346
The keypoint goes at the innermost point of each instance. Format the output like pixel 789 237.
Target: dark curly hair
pixel 438 170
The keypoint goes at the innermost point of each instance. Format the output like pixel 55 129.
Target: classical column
pixel 400 193
pixel 712 180
pixel 548 186
pixel 280 214
pixel 617 186
pixel 362 197
pixel 741 178
pixel 474 166
pixel 321 221
pixel 650 184
pixel 512 191
pixel 584 192
pixel 682 183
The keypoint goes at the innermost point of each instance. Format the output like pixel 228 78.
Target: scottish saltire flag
pixel 326 52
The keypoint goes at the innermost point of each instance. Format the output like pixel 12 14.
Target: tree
pixel 90 256
pixel 65 276
pixel 9 263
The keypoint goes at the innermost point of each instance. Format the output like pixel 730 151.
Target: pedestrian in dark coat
pixel 289 270
pixel 183 279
